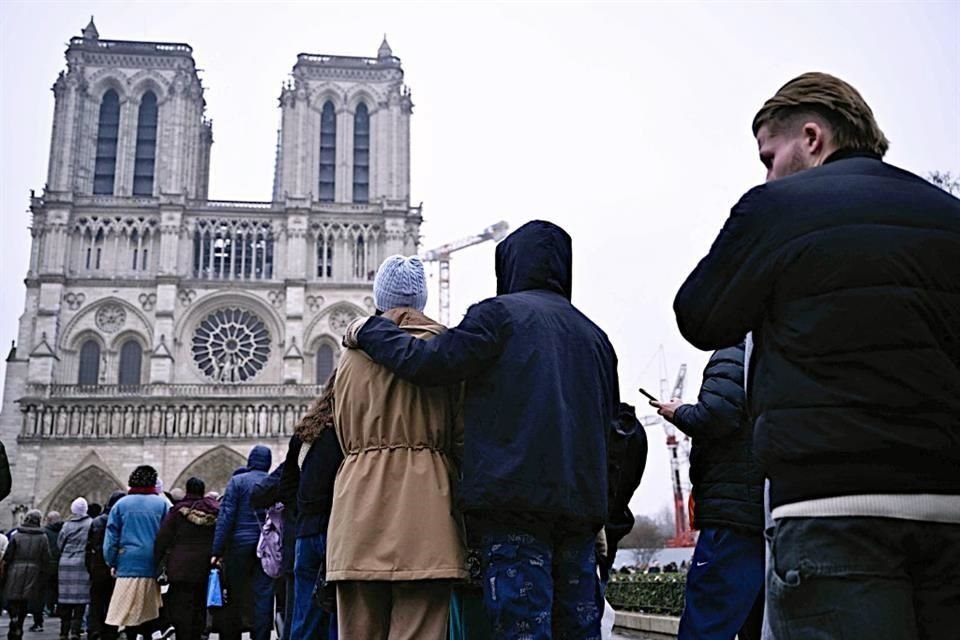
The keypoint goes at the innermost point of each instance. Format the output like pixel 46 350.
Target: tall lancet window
pixel 326 362
pixel 328 152
pixel 325 256
pixel 131 358
pixel 145 158
pixel 361 154
pixel 105 165
pixel 89 373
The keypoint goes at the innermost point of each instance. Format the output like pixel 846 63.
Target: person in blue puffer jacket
pixel 132 528
pixel 235 545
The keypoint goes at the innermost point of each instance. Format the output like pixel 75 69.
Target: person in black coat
pixel 724 592
pixel 309 471
pixel 101 578
pixel 541 394
pixel 846 271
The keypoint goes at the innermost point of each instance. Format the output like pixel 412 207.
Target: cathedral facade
pixel 162 327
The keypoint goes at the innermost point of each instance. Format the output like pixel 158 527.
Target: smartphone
pixel 649 395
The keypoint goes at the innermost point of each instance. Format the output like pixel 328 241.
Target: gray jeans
pixel 877 578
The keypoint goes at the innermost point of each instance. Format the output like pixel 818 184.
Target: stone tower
pixel 165 328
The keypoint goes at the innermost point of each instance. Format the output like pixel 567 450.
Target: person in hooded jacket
pixel 541 395
pixel 183 547
pixel 73 578
pixel 724 592
pixel 25 562
pixel 101 579
pixel 235 545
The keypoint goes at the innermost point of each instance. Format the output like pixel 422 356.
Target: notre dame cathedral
pixel 165 328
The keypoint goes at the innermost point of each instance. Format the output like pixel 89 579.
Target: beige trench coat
pixel 393 515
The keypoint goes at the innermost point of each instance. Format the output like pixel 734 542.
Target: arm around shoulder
pixel 453 356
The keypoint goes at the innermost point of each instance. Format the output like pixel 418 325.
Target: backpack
pixel 626 460
pixel 270 545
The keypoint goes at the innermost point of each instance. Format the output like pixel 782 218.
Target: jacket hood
pixel 259 459
pixel 538 255
pixel 199 511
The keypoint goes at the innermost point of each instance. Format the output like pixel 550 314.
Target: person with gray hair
pixel 24 563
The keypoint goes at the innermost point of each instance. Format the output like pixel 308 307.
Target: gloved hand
pixel 351 336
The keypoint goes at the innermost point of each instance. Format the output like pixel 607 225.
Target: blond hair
pixel 844 109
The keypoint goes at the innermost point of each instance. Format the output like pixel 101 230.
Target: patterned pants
pixel 540 581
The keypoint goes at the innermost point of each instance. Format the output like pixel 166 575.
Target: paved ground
pixel 51 630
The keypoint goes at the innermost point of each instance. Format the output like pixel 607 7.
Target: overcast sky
pixel 627 124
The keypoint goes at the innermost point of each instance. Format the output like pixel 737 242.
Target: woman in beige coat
pixel 395 542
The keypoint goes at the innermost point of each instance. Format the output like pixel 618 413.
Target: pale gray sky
pixel 626 123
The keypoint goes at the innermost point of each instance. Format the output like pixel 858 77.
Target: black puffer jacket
pixel 727 483
pixel 849 276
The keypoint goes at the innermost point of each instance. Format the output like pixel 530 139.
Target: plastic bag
pixel 214 590
pixel 606 624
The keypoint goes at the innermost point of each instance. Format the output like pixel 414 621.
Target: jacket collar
pixel 846 154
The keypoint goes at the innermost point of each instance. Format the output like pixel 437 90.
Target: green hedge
pixel 659 593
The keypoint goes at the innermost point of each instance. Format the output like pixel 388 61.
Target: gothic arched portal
pixel 93 483
pixel 215 468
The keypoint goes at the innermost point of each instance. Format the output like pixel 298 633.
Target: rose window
pixel 231 345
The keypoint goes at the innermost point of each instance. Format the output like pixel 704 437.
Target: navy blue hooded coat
pixel 541 384
pixel 238 524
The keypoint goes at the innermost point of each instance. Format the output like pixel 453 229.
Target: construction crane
pixel 442 255
pixel 682 534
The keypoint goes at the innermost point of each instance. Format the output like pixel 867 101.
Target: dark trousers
pixel 18 613
pixel 724 587
pixel 289 597
pixel 540 580
pixel 310 622
pixel 186 603
pixel 71 620
pixel 877 578
pixel 249 589
pixel 100 594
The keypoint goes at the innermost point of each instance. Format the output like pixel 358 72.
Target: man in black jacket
pixel 724 593
pixel 846 269
pixel 541 396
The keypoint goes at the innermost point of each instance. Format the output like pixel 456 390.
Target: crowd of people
pixel 473 482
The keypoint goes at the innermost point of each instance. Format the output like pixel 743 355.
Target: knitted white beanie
pixel 79 507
